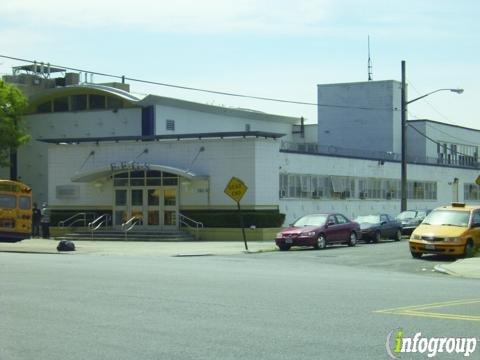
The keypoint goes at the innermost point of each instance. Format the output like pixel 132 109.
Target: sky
pixel 276 49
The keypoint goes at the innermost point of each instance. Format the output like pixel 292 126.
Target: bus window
pixel 25 202
pixel 7 201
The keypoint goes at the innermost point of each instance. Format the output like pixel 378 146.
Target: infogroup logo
pixel 397 344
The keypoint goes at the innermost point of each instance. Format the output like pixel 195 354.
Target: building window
pixel 114 102
pixel 170 125
pixel 97 102
pixel 79 102
pixel 247 127
pixel 141 177
pixel 45 107
pixel 471 192
pixel 303 186
pixel 60 104
pixel 457 154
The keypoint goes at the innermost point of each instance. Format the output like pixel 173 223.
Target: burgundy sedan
pixel 319 230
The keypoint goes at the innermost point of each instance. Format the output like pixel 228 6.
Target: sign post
pixel 236 188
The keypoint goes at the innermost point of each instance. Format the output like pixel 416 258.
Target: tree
pixel 12 129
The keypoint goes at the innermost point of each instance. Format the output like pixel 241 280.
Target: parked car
pixel 319 230
pixel 379 226
pixel 448 230
pixel 410 219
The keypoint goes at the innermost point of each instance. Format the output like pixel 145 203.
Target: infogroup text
pixel 397 344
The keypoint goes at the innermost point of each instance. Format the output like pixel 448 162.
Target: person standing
pixel 45 221
pixel 36 217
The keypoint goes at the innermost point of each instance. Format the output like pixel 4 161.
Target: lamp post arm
pixel 433 92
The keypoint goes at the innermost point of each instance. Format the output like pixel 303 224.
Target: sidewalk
pixel 468 268
pixel 125 248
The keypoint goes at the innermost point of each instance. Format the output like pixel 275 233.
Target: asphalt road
pixel 339 303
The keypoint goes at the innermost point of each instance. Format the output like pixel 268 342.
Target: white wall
pixel 189 121
pixel 33 157
pixel 362 115
pixel 324 165
pixel 248 159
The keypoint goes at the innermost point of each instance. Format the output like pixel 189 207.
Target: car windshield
pixel 407 215
pixel 448 217
pixel 311 220
pixel 370 219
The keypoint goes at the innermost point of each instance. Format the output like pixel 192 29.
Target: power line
pixel 438 143
pixel 122 77
pixel 452 136
pixel 463 141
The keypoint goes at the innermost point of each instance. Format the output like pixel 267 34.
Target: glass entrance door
pixel 137 208
pixel 153 206
pixel 149 195
pixel 170 207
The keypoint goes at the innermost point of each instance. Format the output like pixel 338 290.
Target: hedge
pixel 230 219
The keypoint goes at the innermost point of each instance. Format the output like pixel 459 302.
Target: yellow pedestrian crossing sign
pixel 236 188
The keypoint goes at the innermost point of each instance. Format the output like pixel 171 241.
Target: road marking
pixel 417 310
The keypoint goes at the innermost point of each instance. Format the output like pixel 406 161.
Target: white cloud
pixel 181 16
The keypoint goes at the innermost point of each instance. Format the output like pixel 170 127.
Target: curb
pixel 441 269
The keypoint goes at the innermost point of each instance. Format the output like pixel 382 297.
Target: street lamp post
pixel 404 189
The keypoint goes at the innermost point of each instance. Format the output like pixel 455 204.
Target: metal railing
pixel 99 222
pixel 75 219
pixel 190 223
pixel 314 148
pixel 129 225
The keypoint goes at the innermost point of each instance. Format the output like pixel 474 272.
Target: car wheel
pixel 352 241
pixel 416 255
pixel 284 247
pixel 321 242
pixel 377 237
pixel 398 235
pixel 469 249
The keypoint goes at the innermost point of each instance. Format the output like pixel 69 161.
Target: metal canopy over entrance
pixel 146 191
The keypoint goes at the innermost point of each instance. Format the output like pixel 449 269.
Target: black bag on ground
pixel 66 245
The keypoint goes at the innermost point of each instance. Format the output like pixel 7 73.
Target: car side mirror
pixel 383 223
pixel 330 223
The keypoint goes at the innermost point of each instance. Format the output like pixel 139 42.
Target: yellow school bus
pixel 15 211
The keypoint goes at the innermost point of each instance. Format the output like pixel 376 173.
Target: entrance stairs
pixel 133 235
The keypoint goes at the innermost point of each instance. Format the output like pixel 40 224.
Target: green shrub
pixel 230 218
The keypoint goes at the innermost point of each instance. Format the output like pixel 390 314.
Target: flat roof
pixel 213 135
pixel 213 109
pixel 441 123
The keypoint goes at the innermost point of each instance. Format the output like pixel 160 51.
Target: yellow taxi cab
pixel 448 230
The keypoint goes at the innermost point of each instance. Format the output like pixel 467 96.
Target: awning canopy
pixel 105 171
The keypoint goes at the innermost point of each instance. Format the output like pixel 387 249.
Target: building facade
pixel 100 149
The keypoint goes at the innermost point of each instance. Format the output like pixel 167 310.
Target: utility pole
pixel 403 203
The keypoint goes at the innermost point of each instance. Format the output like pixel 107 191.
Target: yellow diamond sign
pixel 236 188
pixel 477 181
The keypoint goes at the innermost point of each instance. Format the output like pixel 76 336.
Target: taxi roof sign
pixel 235 188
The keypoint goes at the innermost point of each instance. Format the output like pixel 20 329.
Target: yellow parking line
pixel 437 304
pixel 415 310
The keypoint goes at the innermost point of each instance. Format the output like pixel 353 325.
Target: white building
pixel 98 148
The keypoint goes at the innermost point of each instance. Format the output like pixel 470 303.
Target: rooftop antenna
pixel 369 61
